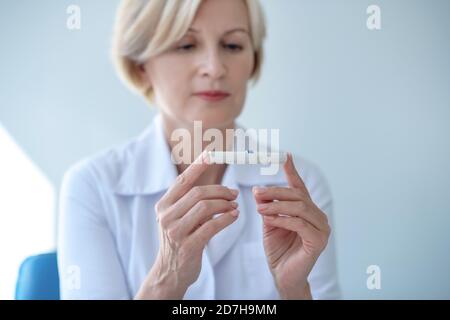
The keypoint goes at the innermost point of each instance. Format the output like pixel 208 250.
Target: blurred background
pixel 370 107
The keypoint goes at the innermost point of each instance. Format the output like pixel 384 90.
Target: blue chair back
pixel 38 278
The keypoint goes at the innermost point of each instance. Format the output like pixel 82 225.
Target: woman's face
pixel 216 54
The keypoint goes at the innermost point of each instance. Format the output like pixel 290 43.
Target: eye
pixel 186 47
pixel 233 47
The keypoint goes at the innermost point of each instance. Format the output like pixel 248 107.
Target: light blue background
pixel 371 108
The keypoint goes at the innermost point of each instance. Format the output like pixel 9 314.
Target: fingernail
pixel 234 204
pixel 289 157
pixel 260 189
pixel 262 206
pixel 234 213
pixel 234 192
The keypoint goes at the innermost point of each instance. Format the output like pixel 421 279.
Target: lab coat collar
pixel 148 168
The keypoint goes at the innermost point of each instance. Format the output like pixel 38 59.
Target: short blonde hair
pixel 146 28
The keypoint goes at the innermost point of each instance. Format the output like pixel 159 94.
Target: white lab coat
pixel 108 233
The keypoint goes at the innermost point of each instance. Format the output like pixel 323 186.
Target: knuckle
pixel 158 217
pixel 202 206
pixel 163 221
pixel 324 237
pixel 196 193
pixel 324 242
pixel 158 207
pixel 181 179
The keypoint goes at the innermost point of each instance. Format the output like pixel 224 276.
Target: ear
pixel 144 76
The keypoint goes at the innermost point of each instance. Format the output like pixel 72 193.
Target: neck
pixel 215 173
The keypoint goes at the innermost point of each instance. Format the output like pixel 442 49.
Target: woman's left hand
pixel 296 232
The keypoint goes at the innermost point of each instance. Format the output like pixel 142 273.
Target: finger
pixel 196 194
pixel 202 212
pixel 258 201
pixel 186 180
pixel 313 240
pixel 278 193
pixel 292 176
pixel 209 229
pixel 293 209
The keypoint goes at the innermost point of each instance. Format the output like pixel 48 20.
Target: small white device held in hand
pixel 247 157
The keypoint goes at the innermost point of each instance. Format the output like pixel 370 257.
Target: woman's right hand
pixel 186 224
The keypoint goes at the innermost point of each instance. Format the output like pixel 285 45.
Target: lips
pixel 212 95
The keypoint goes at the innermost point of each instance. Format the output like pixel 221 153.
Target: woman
pixel 135 225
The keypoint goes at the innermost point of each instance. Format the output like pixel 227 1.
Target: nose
pixel 213 65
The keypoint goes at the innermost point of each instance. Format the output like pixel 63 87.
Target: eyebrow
pixel 227 32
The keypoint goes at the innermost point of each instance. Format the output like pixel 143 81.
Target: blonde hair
pixel 146 28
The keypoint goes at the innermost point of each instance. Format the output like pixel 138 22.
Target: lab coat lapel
pixel 147 167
